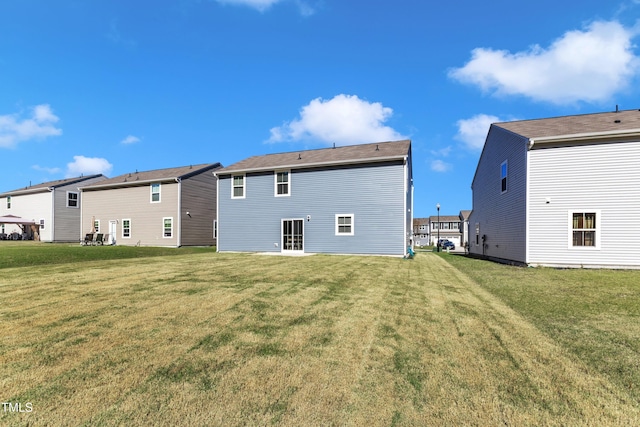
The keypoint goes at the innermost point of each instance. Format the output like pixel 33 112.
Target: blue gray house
pixel 345 200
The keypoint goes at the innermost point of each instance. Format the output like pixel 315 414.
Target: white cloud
pixel 473 131
pixel 46 169
pixel 440 166
pixel 442 152
pixel 589 66
pixel 88 166
pixel 344 120
pixel 40 125
pixel 263 5
pixel 130 139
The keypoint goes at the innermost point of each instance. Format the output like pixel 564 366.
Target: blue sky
pixel 117 86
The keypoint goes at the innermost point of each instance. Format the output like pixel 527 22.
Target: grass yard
pixel 241 339
pixel 30 253
pixel 595 314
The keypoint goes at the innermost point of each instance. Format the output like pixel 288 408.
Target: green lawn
pixel 29 253
pixel 595 314
pixel 243 339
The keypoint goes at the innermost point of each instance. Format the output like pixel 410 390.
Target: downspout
pixel 217 210
pixel 53 214
pixel 179 221
pixel 527 201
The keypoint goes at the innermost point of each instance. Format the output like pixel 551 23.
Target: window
pixel 503 176
pixel 584 227
pixel 155 193
pixel 72 199
pixel 237 187
pixel 8 202
pixel 167 224
pixel 215 228
pixel 282 183
pixel 126 228
pixel 344 224
pixel 42 224
pixel 96 225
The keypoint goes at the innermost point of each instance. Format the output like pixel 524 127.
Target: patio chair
pixel 88 239
pixel 99 239
pixel 105 240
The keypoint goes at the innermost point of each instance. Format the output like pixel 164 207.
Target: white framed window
pixel 282 183
pixel 344 224
pixel 42 223
pixel 96 225
pixel 238 186
pixel 584 229
pixel 155 192
pixel 215 228
pixel 504 171
pixel 126 228
pixel 8 202
pixel 167 227
pixel 72 199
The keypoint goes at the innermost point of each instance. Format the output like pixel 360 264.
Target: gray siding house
pixel 164 207
pixel 54 206
pixel 344 200
pixel 560 192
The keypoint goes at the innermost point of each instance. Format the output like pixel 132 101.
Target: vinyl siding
pixel 133 203
pixel 501 216
pixel 603 177
pixel 67 220
pixel 373 194
pixel 35 207
pixel 199 199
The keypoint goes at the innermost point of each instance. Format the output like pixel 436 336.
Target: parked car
pixel 447 244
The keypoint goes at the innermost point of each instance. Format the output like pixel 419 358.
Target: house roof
pixel 465 214
pixel 158 175
pixel 364 153
pixel 420 221
pixel 49 185
pixel 445 218
pixel 611 122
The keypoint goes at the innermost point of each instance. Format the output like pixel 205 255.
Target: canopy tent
pixel 29 227
pixel 12 219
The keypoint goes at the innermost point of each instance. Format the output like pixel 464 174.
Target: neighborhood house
pixel 560 192
pixel 49 212
pixel 164 207
pixel 347 200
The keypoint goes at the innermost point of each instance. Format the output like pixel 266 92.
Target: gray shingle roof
pixel 50 184
pixel 573 125
pixel 158 175
pixel 375 152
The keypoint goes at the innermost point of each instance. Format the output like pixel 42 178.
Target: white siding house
pixel 560 192
pixel 54 206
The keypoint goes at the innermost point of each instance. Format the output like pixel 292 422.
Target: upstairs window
pixel 155 193
pixel 72 199
pixel 503 176
pixel 283 179
pixel 237 187
pixel 584 227
pixel 8 202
